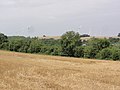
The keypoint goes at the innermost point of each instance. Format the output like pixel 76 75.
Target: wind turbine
pixel 29 29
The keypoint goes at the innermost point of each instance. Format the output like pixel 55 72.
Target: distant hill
pixel 83 38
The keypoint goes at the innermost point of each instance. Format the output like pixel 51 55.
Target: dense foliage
pixel 70 40
pixel 70 44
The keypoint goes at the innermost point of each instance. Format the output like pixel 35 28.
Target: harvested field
pixel 19 71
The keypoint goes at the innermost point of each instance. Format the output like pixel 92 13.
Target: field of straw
pixel 19 71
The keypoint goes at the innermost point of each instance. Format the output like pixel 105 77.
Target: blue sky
pixel 55 17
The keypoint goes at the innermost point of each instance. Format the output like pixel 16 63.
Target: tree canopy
pixel 69 41
pixel 70 44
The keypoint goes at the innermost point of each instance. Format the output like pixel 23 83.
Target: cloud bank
pixel 53 17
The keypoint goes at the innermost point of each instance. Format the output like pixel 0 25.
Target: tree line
pixel 70 45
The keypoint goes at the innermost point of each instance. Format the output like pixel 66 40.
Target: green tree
pixel 89 52
pixel 15 45
pixel 114 41
pixel 79 51
pixel 69 41
pixel 25 45
pixel 3 40
pixel 94 46
pixel 35 46
pixel 99 44
pixel 105 54
pixel 115 53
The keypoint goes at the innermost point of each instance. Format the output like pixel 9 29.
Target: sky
pixel 55 17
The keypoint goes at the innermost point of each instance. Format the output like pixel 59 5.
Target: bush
pixel 89 52
pixel 115 53
pixel 79 51
pixel 56 51
pixel 94 46
pixel 114 40
pixel 105 54
pixel 99 44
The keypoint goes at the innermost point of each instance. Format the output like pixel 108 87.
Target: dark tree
pixel 118 34
pixel 3 41
pixel 70 40
pixel 3 38
pixel 85 35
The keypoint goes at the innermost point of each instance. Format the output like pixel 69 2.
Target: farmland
pixel 20 71
pixel 82 38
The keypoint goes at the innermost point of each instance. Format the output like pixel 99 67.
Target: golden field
pixel 19 71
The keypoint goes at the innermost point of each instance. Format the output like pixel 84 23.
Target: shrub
pixel 99 44
pixel 105 54
pixel 115 53
pixel 89 52
pixel 79 51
